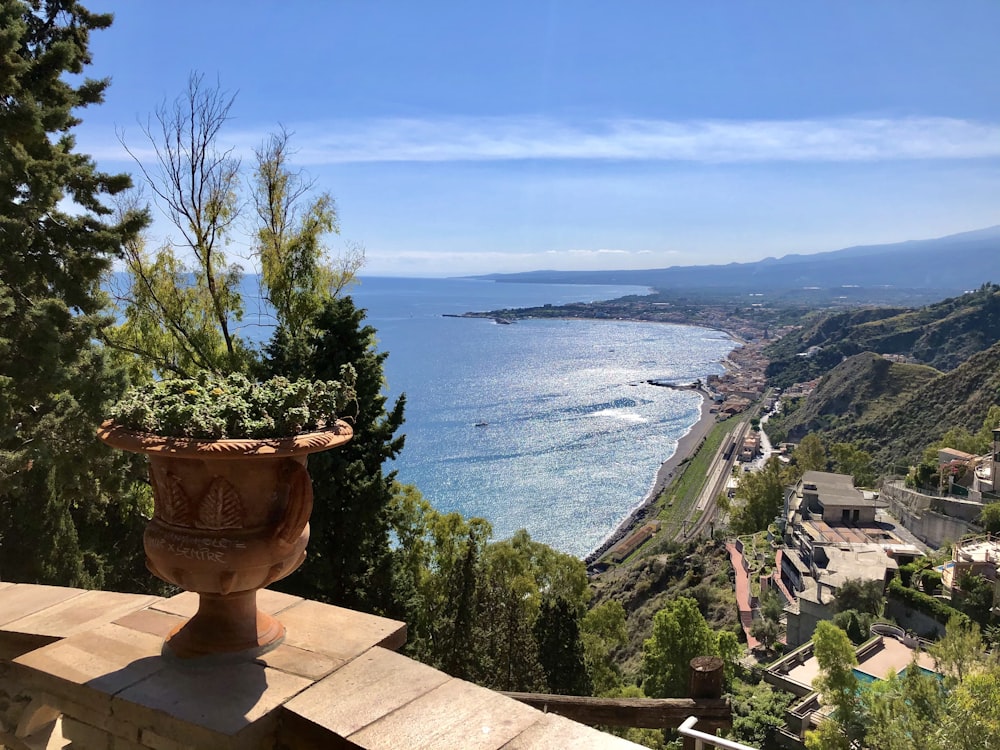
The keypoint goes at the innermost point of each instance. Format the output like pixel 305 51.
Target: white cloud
pixel 465 139
pixel 714 141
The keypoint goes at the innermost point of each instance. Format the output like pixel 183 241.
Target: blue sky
pixel 471 137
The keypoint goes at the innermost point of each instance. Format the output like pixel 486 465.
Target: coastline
pixel 686 447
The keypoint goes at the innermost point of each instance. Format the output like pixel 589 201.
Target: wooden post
pixel 705 680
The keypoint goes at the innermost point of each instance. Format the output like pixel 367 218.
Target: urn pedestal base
pixel 230 625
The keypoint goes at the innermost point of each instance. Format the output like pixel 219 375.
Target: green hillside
pixel 960 398
pixel 894 410
pixel 942 335
pixel 857 390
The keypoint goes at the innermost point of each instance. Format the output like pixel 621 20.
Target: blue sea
pixel 546 425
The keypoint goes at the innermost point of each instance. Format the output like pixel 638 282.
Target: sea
pixel 547 425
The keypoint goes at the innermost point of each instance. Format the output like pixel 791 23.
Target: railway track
pixel 699 519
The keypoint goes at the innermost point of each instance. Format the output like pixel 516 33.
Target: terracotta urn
pixel 230 517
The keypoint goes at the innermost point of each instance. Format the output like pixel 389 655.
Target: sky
pixel 463 138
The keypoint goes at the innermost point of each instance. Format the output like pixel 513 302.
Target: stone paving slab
pixel 186 604
pixel 299 661
pixel 151 621
pixel 335 680
pixel 366 689
pixel 78 613
pixel 223 700
pixel 90 667
pixel 338 633
pixel 20 600
pixel 554 731
pixel 456 714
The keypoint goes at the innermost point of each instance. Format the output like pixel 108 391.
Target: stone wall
pixel 912 619
pixel 914 510
pixel 88 668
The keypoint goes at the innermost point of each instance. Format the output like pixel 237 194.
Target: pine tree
pixel 64 514
pixel 349 560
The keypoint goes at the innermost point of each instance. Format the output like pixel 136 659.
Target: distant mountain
pixel 948 265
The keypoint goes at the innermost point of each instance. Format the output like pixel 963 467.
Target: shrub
pixel 211 406
pixel 930 579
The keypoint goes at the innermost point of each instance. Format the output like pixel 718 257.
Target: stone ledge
pixel 334 682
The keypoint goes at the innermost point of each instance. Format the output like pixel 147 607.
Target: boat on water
pixel 503 321
pixel 482 423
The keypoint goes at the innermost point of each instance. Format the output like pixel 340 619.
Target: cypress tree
pixel 560 649
pixel 64 513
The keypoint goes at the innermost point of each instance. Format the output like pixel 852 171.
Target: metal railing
pixel 703 740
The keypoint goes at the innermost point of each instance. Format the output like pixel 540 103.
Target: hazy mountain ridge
pixel 950 264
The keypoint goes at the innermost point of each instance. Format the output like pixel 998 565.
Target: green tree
pixel 985 434
pixel 762 494
pixel 560 648
pixel 960 651
pixel 838 688
pixel 766 631
pixel 437 584
pixel 977 597
pixel 861 595
pixel 68 514
pixel 905 711
pixel 767 627
pixel 297 275
pixel 855 624
pixel 971 720
pixel 989 517
pixel 183 301
pixel 913 709
pixel 603 630
pixel 509 604
pixel 810 454
pixel 849 459
pixel 680 633
pixel 758 713
pixel 350 560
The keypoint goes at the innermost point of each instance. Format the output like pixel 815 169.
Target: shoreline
pixel 686 447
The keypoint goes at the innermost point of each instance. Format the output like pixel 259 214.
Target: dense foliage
pixel 955 709
pixel 681 633
pixel 67 514
pixel 212 407
pixel 760 496
pixel 350 560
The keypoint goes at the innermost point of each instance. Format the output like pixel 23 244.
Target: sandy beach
pixel 686 447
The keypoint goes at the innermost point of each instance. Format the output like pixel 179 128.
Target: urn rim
pixel 118 436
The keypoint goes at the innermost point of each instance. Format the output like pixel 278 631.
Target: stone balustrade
pixel 84 669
